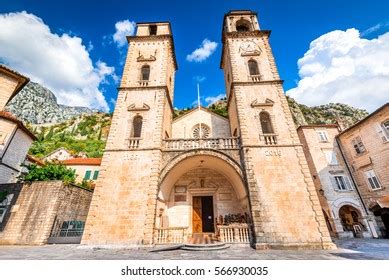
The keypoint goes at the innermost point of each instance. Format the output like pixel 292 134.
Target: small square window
pixel 341 183
pixel 372 180
pixel 323 137
pixel 358 145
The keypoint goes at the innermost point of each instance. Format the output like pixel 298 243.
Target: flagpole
pixel 198 103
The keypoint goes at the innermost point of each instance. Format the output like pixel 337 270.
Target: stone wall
pixel 36 206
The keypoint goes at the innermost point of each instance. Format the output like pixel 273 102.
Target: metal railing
pixel 208 143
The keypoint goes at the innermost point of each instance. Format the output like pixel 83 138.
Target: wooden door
pixel 197 220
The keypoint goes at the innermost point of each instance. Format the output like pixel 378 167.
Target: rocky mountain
pixel 344 114
pixel 36 104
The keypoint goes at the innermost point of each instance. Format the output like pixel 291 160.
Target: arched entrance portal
pixel 351 220
pixel 202 194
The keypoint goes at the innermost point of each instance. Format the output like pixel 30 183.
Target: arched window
pixel 137 127
pixel 267 128
pixel 145 72
pixel 242 25
pixel 253 67
pixel 235 134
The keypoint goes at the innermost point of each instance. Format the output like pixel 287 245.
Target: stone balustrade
pixel 269 138
pixel 209 143
pixel 234 233
pixel 172 235
pixel 133 143
pixel 255 78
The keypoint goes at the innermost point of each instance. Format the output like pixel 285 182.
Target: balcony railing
pixel 133 143
pixel 269 138
pixel 234 233
pixel 143 83
pixel 210 143
pixel 173 235
pixel 255 78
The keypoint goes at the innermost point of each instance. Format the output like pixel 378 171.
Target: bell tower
pixel 124 200
pixel 285 208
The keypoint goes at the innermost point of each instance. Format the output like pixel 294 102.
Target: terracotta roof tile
pixel 82 161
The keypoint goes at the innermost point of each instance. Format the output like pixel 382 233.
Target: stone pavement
pixel 359 249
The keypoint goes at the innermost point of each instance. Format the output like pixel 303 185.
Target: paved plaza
pixel 357 249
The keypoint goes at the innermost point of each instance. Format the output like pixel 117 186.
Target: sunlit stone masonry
pixel 242 179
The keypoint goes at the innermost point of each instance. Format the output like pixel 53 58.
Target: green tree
pixel 50 171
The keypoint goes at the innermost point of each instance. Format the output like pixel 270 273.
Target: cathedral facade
pixel 242 179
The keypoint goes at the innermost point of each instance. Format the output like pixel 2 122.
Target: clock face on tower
pixel 249 48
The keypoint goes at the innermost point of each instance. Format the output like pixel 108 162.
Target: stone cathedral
pixel 200 176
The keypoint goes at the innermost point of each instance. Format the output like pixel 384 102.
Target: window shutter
pixel 348 182
pixel 87 175
pixel 95 174
pixel 333 182
pixel 381 132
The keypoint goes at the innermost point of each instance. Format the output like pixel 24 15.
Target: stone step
pixel 205 247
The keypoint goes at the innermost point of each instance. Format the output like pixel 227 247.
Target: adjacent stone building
pixel 244 179
pixel 86 168
pixel 366 149
pixel 343 209
pixel 15 138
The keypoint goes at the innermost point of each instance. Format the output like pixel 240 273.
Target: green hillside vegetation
pixel 86 134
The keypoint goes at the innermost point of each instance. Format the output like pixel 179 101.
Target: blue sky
pixel 294 25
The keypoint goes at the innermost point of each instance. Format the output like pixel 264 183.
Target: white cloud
pixel 212 99
pixel 375 28
pixel 199 79
pixel 123 28
pixel 206 48
pixel 340 66
pixel 59 62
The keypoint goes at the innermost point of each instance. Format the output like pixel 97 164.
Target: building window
pixel 383 131
pixel 266 125
pixel 242 25
pixel 145 72
pixel 5 202
pixel 253 67
pixel 331 157
pixel 88 174
pixel 323 136
pixel 95 174
pixel 235 134
pixel 137 127
pixel 341 183
pixel 372 179
pixel 358 145
pixel 153 29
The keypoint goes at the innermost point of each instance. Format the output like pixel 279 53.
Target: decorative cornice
pixel 156 38
pixel 250 83
pixel 165 88
pixel 268 102
pixel 132 107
